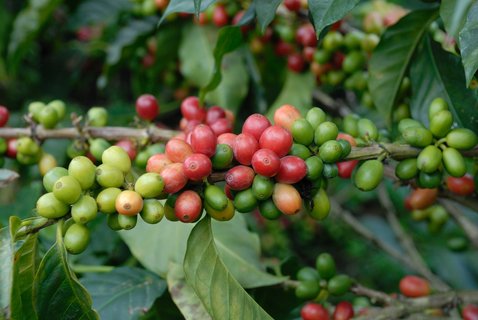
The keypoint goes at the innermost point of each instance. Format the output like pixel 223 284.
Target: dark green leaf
pixel 469 43
pixel 221 294
pixel 185 6
pixel 326 12
pixel 7 177
pixel 392 56
pixel 265 11
pixel 94 11
pixel 453 14
pixel 184 296
pixel 229 39
pixel 57 293
pixel 296 91
pixel 124 293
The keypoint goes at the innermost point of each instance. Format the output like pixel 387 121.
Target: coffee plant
pixel 216 159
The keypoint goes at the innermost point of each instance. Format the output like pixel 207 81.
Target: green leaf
pixel 185 6
pixel 229 39
pixel 7 177
pixel 94 11
pixel 265 11
pixel 297 91
pixel 124 293
pixel 184 296
pixel 469 43
pixel 326 12
pixel 7 253
pixel 453 13
pixel 57 293
pixel 221 294
pixel 238 247
pixel 392 56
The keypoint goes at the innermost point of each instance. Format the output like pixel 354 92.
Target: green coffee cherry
pixel 407 169
pixel 339 284
pixel 48 117
pixel 314 167
pixel 215 197
pixel 308 273
pixel 221 215
pixel 430 180
pixel 76 238
pixel 268 209
pixel 438 217
pixel 115 156
pixel 320 205
pixel 457 243
pixel 437 105
pixel 245 201
pixel 330 170
pixel 59 107
pixel 330 151
pixel 367 128
pixel 3 145
pixel 223 157
pixel 302 132
pixel 97 117
pixel 325 265
pixel 67 189
pixel 325 131
pixel 307 289
pixel 461 139
pixel 98 146
pixel 429 159
pixel 418 137
pixel 402 111
pixel 454 162
pixel 322 56
pixel 408 123
pixel 353 61
pixel 50 207
pixel 83 170
pixel 34 109
pixel 301 151
pixel 169 207
pixel 346 148
pixel 353 39
pixel 149 185
pixel 52 176
pixel 369 175
pixel 350 125
pixel 440 123
pixel 152 212
pixel 106 200
pixel 112 221
pixel 84 210
pixel 315 116
pixel 262 187
pixel 108 176
pixel 332 41
pixel 127 222
pixel 27 146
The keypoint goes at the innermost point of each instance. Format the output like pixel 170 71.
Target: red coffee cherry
pixel 244 148
pixel 214 113
pixel 221 126
pixel 470 312
pixel 190 125
pixel 203 140
pixel 413 286
pixel 255 125
pixel 308 54
pixel 11 148
pixel 338 59
pixel 305 36
pixel 240 177
pixel 287 199
pixel 295 62
pixel 147 107
pixel 276 139
pixel 197 167
pixel 421 198
pixel 173 177
pixel 292 170
pixel 227 138
pixel 314 311
pixel 228 192
pixel 463 186
pixel 266 162
pixel 128 146
pixel 188 206
pixel 177 150
pixel 219 16
pixel 157 163
pixel 343 311
pixel 4 115
pixel 286 115
pixel 346 168
pixel 192 110
pixel 283 48
pixel 292 5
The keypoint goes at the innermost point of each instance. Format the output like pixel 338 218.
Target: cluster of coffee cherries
pixel 48 115
pixel 84 189
pixel 148 7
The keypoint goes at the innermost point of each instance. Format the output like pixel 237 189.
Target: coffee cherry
pixel 203 140
pixel 112 221
pixel 325 265
pixel 346 146
pixel 315 116
pixel 221 126
pixel 3 146
pixel 292 169
pixel 4 115
pixel 220 17
pixel 330 171
pixel 429 159
pixel 306 36
pixel 464 186
pixel 418 137
pixel 215 197
pixel 52 176
pixel 276 139
pixel 129 146
pixel 302 132
pixel 470 312
pixel 408 123
pixel 367 129
pixel 287 199
pixel 286 115
pixel 307 274
pixel 314 311
pixel 169 207
pixel 191 110
pixel 34 109
pixel 350 125
pixel 454 162
pixel 301 151
pixel 343 311
pixel 353 61
pixel 67 189
pixel 245 201
pixel 106 200
pixel 178 150
pixel 346 168
pixel 332 41
pixel 407 169
pixel 268 210
pixel 430 180
pixel 330 151
pixel 47 162
pixel 369 175
pixel 97 147
pixel 83 170
pixel 353 39
pixel 307 290
pixel 461 138
pixel 320 205
pixel 315 167
pixel 295 62
pixel 227 138
pixel 147 107
pixel 369 42
pixel 440 123
pixel 437 105
pixel 48 117
pixel 173 177
pixel 48 206
pixel 153 211
pixel 127 222
pixel 97 117
pixel 129 203
pixel 109 176
pixel 325 131
pixel 339 284
pixel 422 198
pixel 223 157
pixel 240 177
pixel 262 187
pixel 158 162
pixel 84 210
pixel 197 167
pixel 438 217
pixel 413 287
pixel 116 157
pixel 292 5
pixel 149 185
pixel 266 162
pixel 27 146
pixel 221 215
pixel 76 238
pixel 213 114
pixel 255 125
pixel 244 148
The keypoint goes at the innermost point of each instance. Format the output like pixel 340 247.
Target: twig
pixel 407 242
pixel 374 295
pixel 470 229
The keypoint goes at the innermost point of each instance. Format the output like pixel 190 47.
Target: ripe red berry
pixel 220 16
pixel 343 311
pixel 266 162
pixel 147 107
pixel 188 206
pixel 197 167
pixel 221 126
pixel 413 286
pixel 203 140
pixel 173 177
pixel 177 150
pixel 308 54
pixel 346 168
pixel 157 163
pixel 240 177
pixel 255 125
pixel 244 148
pixel 283 48
pixel 421 198
pixel 314 311
pixel 276 139
pixel 292 5
pixel 11 148
pixel 190 125
pixel 286 115
pixel 228 192
pixel 470 312
pixel 292 170
pixel 338 59
pixel 191 109
pixel 305 36
pixel 295 62
pixel 227 138
pixel 214 113
pixel 463 186
pixel 4 115
pixel 128 146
